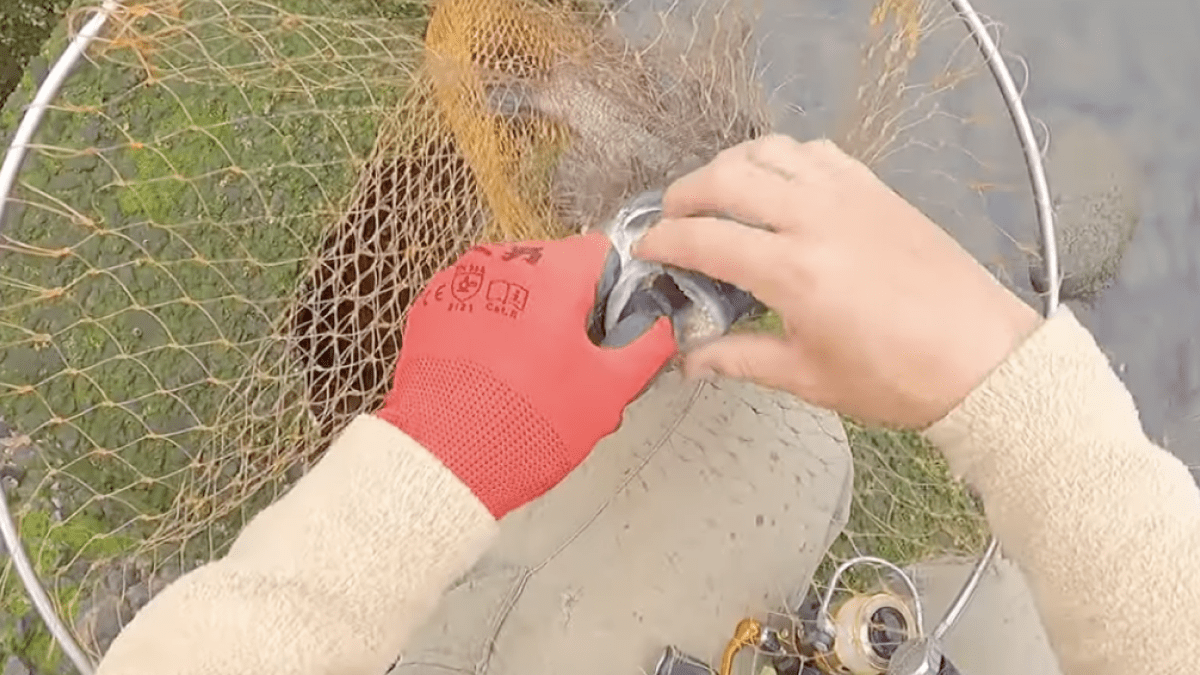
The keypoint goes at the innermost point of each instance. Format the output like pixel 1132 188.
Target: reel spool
pixel 868 629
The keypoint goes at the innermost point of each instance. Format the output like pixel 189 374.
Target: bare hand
pixel 886 317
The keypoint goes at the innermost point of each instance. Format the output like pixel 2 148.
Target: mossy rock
pixel 161 226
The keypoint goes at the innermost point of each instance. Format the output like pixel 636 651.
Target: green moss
pixel 82 534
pixel 9 119
pixel 401 10
pixel 49 543
pixel 158 193
pixel 767 322
pixel 38 647
pixel 906 507
pixel 200 198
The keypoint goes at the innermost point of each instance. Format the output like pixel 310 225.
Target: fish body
pixel 634 293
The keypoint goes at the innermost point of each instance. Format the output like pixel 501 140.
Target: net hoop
pixel 65 64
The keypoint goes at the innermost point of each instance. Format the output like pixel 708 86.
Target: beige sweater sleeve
pixel 335 575
pixel 329 579
pixel 1105 524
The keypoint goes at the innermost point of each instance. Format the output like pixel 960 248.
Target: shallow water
pixel 1119 86
pixel 1131 68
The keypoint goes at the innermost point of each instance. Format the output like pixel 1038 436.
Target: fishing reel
pixel 880 632
pixel 863 634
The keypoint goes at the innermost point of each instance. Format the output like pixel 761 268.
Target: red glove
pixel 497 377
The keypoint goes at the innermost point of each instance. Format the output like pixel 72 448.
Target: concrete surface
pixel 1000 633
pixel 705 507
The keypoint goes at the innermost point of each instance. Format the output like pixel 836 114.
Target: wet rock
pixel 78 571
pixel 99 621
pixel 27 624
pixel 14 666
pixel 16 449
pixel 124 588
pixel 164 577
pixel 137 596
pixel 114 581
pixel 90 133
pixel 82 164
pixel 1096 190
pixel 11 476
pixel 64 183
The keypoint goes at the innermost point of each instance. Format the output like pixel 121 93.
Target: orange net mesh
pixel 472 44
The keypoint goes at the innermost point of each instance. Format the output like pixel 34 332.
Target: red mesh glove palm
pixel 497 376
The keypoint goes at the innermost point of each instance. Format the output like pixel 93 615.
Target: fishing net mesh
pixel 228 209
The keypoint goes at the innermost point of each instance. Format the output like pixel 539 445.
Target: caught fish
pixel 629 129
pixel 634 293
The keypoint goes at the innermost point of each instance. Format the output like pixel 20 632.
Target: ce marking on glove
pixel 457 293
pixel 444 293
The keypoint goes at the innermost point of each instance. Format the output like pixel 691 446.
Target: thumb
pixel 762 359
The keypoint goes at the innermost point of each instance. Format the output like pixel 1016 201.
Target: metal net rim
pixel 48 91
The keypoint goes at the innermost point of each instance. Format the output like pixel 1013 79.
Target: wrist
pixel 984 345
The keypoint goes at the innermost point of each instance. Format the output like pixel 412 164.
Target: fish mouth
pixel 634 293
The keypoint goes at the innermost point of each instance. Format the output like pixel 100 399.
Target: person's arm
pixel 498 395
pixel 887 319
pixel 1105 524
pixel 329 579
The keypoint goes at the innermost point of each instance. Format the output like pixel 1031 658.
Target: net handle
pixel 13 160
pixel 1045 220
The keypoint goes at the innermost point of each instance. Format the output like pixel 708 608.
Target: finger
pixel 734 188
pixel 763 359
pixel 825 153
pixel 772 169
pixel 797 161
pixel 746 257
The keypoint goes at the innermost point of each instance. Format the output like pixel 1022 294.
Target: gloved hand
pixel 497 377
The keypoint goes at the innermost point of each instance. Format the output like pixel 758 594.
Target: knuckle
pixel 725 174
pixel 780 143
pixel 731 153
pixel 833 155
pixel 823 146
pixel 780 154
